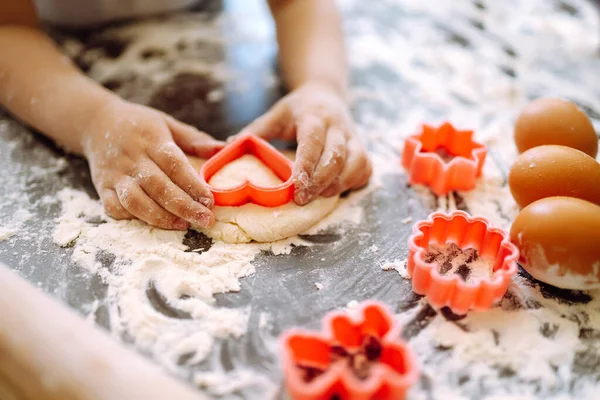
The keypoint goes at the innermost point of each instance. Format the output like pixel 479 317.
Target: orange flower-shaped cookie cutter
pixel 246 192
pixel 425 166
pixel 465 232
pixel 389 376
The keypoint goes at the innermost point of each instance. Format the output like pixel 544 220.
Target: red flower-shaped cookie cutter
pixel 466 232
pixel 425 166
pixel 271 196
pixel 389 377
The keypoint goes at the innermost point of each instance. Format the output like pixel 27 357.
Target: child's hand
pixel 330 159
pixel 140 171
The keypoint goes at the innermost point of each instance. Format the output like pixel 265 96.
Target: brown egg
pixel 555 121
pixel 551 170
pixel 559 240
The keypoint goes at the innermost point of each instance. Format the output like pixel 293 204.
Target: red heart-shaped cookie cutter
pixel 247 192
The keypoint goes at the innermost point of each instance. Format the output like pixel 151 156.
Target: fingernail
pixel 207 202
pixel 303 178
pixel 302 197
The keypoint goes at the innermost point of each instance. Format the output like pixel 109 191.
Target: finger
pixel 363 174
pixel 333 189
pixel 311 142
pixel 112 205
pixel 175 165
pixel 331 162
pixel 171 197
pixel 136 201
pixel 361 181
pixel 275 123
pixel 356 172
pixel 192 141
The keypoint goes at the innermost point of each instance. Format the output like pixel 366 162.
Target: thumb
pixel 192 141
pixel 275 123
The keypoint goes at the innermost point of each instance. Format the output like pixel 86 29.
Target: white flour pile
pixel 148 258
pixel 535 346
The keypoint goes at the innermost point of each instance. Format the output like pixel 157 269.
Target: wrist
pixel 101 112
pixel 328 86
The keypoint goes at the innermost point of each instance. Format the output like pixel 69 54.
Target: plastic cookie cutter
pixel 460 261
pixel 354 358
pixel 246 192
pixel 443 158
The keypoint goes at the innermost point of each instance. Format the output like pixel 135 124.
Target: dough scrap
pixel 253 222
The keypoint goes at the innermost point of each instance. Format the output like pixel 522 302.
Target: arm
pixel 43 97
pixel 329 159
pixel 311 43
pixel 135 153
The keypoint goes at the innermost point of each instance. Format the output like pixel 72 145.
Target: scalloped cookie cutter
pixel 465 232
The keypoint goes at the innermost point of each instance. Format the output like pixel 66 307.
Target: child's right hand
pixel 139 168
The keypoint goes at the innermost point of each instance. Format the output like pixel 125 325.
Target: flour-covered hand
pixel 139 168
pixel 329 159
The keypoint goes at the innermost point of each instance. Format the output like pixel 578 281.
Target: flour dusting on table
pixel 533 340
pixel 474 63
pixel 161 292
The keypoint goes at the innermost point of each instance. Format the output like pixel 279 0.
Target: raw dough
pixel 247 167
pixel 253 222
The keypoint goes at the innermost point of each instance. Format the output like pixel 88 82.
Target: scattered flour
pixel 161 295
pixel 453 57
pixel 536 345
pixel 264 320
pixel 222 383
pixel 147 257
pixel 12 227
pixel 399 266
pixel 352 304
pixel 536 340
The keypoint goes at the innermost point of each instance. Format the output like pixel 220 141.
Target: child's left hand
pixel 330 158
